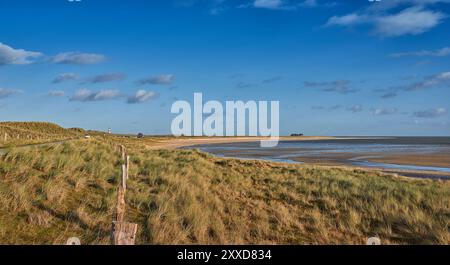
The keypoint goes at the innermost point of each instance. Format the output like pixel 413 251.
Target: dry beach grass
pixel 49 193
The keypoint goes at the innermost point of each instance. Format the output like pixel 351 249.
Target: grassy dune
pixel 19 133
pixel 48 194
pixel 188 197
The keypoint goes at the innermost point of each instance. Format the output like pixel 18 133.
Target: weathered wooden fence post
pixel 120 208
pixel 124 177
pixel 127 165
pixel 123 233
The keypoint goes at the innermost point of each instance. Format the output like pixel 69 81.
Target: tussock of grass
pixel 50 193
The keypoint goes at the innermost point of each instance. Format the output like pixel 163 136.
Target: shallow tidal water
pixel 346 151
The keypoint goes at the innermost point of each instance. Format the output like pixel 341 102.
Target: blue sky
pixel 337 67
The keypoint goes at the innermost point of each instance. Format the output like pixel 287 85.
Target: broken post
pixel 124 233
pixel 122 150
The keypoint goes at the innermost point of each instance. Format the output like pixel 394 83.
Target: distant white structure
pixel 109 131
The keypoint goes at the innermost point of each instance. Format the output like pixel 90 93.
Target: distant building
pixel 109 131
pixel 297 134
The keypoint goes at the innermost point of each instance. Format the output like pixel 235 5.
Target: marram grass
pixel 50 193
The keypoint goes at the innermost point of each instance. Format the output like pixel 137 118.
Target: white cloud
pixel 141 96
pixel 105 78
pixel 284 4
pixel 9 55
pixel 78 58
pixel 6 92
pixel 431 113
pixel 331 108
pixel 355 108
pixel 269 4
pixel 441 79
pixel 413 20
pixel 347 20
pixel 165 79
pixel 56 93
pixel 64 77
pixel 384 111
pixel 434 53
pixel 338 86
pixel 86 95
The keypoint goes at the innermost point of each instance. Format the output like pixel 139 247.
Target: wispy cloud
pixel 141 96
pixel 384 111
pixel 272 80
pixel 56 93
pixel 218 6
pixel 441 79
pixel 337 86
pixel 347 20
pixel 104 78
pixel 430 113
pixel 388 95
pixel 269 4
pixel 85 95
pixel 215 7
pixel 165 79
pixel 331 108
pixel 64 77
pixel 432 53
pixel 355 108
pixel 242 85
pixel 78 58
pixel 413 20
pixel 9 55
pixel 286 4
pixel 6 92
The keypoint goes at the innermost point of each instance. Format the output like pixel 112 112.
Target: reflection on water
pixel 348 150
pixel 400 167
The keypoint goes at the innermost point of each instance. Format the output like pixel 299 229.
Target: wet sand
pixel 440 159
pixel 430 160
pixel 420 162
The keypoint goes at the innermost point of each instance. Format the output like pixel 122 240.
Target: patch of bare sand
pixel 441 159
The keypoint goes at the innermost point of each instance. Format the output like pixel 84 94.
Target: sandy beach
pixel 173 143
